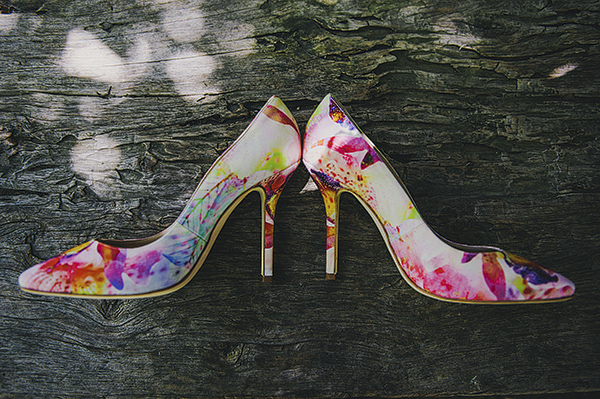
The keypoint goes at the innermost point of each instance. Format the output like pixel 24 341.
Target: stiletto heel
pixel 270 193
pixel 331 197
pixel 262 159
pixel 340 158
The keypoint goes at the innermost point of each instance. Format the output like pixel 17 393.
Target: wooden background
pixel 112 110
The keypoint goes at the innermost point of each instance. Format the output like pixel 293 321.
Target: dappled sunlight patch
pixel 8 22
pixel 190 72
pixel 139 57
pixel 96 159
pixel 309 186
pixel 450 34
pixel 562 70
pixel 183 24
pixel 237 39
pixel 85 56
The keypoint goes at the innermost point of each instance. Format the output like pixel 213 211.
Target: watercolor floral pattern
pixel 263 158
pixel 340 158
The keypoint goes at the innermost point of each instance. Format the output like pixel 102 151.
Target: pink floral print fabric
pixel 264 157
pixel 341 158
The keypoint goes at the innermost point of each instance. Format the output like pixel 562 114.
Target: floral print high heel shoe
pixel 340 158
pixel 262 159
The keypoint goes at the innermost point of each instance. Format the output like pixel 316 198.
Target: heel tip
pixel 267 279
pixel 329 276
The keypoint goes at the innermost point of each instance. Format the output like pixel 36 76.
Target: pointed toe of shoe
pixel 562 289
pixel 536 282
pixel 42 278
pixel 26 278
pixel 72 272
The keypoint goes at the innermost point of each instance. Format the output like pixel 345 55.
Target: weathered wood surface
pixel 111 111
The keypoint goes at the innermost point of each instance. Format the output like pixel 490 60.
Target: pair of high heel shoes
pixel 340 158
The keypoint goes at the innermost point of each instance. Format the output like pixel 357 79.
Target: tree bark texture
pixel 112 110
